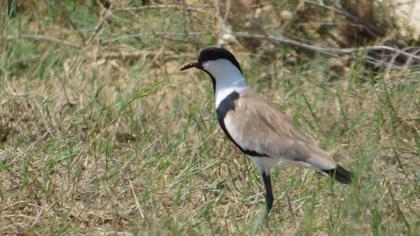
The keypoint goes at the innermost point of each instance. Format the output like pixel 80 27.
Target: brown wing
pixel 265 130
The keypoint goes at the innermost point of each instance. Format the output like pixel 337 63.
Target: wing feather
pixel 266 130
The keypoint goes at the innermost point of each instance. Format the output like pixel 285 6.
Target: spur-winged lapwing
pixel 257 128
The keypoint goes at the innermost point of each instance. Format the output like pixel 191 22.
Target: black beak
pixel 195 64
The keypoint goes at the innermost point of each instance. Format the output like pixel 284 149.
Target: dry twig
pixel 42 38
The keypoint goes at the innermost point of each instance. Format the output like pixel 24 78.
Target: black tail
pixel 340 174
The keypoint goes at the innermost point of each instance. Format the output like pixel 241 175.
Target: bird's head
pixel 217 62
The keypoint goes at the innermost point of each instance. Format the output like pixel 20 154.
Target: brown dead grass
pixel 110 137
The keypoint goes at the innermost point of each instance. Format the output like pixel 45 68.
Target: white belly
pixel 265 163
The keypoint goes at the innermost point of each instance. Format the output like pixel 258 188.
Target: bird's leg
pixel 268 192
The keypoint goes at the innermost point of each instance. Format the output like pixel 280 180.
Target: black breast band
pixel 224 107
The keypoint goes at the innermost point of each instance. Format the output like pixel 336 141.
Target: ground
pixel 101 134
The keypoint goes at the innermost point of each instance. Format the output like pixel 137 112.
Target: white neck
pixel 228 78
pixel 227 84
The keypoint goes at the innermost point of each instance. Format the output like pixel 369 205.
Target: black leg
pixel 268 192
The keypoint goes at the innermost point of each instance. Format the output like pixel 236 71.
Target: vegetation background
pixel 101 134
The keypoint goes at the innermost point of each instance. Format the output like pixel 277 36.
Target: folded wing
pixel 257 126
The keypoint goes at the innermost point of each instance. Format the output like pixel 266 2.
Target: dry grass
pixel 100 134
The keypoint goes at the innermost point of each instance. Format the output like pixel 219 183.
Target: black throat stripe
pixel 226 105
pixel 213 81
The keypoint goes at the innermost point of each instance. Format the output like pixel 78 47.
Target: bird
pixel 258 129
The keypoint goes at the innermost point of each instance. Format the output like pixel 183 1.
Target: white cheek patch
pixel 221 68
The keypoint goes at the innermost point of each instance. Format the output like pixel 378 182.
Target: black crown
pixel 214 53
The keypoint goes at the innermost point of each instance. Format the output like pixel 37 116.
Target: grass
pixel 109 137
